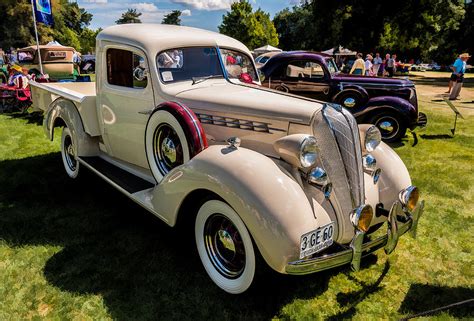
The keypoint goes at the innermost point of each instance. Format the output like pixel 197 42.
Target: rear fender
pixel 352 88
pixel 64 112
pixel 271 203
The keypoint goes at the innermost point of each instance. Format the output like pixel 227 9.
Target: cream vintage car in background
pixel 177 122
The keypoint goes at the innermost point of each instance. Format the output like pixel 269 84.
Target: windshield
pixel 332 67
pixel 188 63
pixel 239 66
pixel 203 63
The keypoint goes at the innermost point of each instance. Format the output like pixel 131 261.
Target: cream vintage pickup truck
pixel 178 122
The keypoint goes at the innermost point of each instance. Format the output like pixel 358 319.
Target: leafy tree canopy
pixel 254 29
pixel 422 28
pixel 17 29
pixel 129 16
pixel 172 18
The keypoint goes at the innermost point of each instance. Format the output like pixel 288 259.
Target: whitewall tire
pixel 225 247
pixel 166 144
pixel 69 153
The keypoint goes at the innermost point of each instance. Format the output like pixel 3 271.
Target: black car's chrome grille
pixel 346 133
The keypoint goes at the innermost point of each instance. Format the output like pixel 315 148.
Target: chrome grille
pixel 346 133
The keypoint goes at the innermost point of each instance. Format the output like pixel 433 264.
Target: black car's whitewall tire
pixel 225 247
pixel 69 153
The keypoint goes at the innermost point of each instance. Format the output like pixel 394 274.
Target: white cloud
pixel 207 4
pixel 95 1
pixel 144 7
pixel 186 13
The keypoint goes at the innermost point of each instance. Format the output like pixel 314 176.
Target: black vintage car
pixel 390 104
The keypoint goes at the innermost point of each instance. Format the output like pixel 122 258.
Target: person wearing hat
pixel 459 68
pixel 369 65
pixel 17 78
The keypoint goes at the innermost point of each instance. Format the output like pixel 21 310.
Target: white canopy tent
pixel 266 49
pixel 341 51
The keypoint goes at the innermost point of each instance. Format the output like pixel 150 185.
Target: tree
pixel 422 28
pixel 172 18
pixel 17 30
pixel 254 29
pixel 129 16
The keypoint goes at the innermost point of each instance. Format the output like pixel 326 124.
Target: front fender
pixel 394 177
pixel 388 103
pixel 65 112
pixel 271 203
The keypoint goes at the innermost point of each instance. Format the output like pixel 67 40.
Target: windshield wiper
pixel 197 80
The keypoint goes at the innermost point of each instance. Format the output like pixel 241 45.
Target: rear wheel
pixel 225 247
pixel 391 126
pixel 350 99
pixel 69 154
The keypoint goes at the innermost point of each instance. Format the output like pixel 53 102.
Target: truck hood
pixel 364 80
pixel 224 97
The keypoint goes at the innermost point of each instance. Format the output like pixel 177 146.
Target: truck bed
pixel 81 94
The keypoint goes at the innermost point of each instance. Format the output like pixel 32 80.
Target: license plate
pixel 316 240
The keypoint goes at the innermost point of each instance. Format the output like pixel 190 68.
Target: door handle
pixel 146 112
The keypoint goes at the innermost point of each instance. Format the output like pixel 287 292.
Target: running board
pixel 136 188
pixel 122 178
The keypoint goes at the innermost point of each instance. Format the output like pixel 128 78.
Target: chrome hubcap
pixel 169 150
pixel 224 246
pixel 349 102
pixel 70 153
pixel 167 147
pixel 388 126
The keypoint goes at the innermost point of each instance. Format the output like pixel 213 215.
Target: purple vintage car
pixel 390 104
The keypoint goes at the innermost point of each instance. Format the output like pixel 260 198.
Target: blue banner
pixel 43 12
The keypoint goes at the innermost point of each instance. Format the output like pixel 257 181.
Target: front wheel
pixel 391 126
pixel 69 154
pixel 225 247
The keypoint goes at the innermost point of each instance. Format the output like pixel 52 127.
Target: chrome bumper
pixel 358 249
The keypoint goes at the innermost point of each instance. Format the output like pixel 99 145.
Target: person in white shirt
pixel 377 63
pixel 368 65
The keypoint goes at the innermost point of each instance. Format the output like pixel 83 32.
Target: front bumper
pixel 398 224
pixel 422 120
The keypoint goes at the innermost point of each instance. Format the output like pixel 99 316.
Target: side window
pixel 304 69
pixel 126 69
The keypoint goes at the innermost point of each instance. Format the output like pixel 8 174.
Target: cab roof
pixel 158 37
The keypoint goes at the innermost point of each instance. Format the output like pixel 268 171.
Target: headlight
pixel 373 137
pixel 409 197
pixel 361 217
pixel 308 152
pixel 299 150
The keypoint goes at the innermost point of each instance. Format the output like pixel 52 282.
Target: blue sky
pixel 205 14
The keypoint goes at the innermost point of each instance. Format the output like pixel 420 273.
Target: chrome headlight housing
pixel 361 217
pixel 308 152
pixel 409 197
pixel 373 137
pixel 299 150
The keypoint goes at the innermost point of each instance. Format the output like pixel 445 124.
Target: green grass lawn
pixel 80 250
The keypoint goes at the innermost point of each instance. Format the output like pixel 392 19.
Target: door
pixel 125 91
pixel 302 77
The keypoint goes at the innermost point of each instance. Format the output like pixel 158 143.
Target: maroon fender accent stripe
pixel 190 124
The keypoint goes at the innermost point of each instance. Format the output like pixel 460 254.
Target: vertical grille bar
pixel 346 132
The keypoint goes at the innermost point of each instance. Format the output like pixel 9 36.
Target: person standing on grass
pixel 369 66
pixel 377 63
pixel 358 68
pixel 459 68
pixel 453 78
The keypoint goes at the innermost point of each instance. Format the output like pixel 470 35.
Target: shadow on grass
pixel 143 269
pixel 425 297
pixel 350 300
pixel 35 118
pixel 437 136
